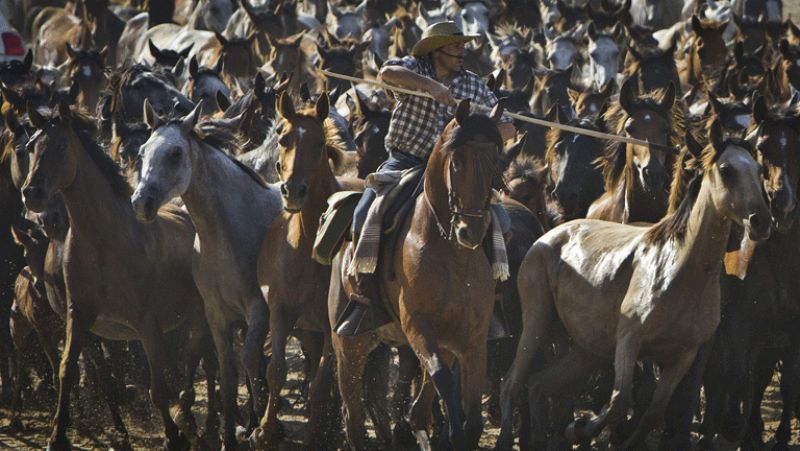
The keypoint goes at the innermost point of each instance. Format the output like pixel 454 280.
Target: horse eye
pixel 726 171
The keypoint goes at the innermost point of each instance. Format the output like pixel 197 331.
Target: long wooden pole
pixel 519 117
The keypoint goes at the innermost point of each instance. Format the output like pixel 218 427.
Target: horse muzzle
pixel 758 226
pixel 35 198
pixel 144 206
pixel 469 237
pixel 293 196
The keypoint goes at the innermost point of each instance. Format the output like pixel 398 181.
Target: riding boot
pixel 351 320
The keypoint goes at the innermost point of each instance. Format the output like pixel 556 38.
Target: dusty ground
pixel 92 430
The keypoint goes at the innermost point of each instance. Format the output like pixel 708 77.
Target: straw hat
pixel 439 35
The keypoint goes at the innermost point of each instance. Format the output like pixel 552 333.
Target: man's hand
pixel 441 93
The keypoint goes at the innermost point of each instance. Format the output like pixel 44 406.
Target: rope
pixel 519 117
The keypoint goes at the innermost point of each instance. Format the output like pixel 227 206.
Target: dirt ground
pixel 92 424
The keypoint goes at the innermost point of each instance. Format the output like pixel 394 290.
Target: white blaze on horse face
pixel 162 175
pixel 474 18
pixel 300 133
pixel 86 71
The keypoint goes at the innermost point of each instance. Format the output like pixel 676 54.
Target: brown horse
pixel 296 285
pixel 526 181
pixel 707 56
pixel 626 292
pixel 124 280
pixel 441 318
pixel 636 176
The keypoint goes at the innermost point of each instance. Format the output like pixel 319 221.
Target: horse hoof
pixel 403 436
pixel 184 420
pixel 575 431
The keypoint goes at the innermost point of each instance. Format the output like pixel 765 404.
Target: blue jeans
pixel 397 162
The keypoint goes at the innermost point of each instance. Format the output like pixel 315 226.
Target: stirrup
pixel 350 320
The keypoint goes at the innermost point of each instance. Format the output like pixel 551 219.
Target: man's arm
pixel 405 78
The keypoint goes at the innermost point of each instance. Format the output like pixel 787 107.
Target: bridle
pixel 453 208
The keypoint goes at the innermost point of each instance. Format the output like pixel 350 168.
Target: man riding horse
pixel 435 67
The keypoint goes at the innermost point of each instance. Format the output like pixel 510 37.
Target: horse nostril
pixel 284 190
pixel 755 222
pixel 31 192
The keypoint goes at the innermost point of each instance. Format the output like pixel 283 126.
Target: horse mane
pixel 464 135
pixel 614 159
pixel 85 128
pixel 509 30
pixel 683 196
pixel 524 166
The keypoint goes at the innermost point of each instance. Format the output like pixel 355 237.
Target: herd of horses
pixel 165 164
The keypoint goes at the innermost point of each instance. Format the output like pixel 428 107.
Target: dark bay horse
pixel 440 318
pixel 626 292
pixel 296 285
pixel 636 177
pixel 183 158
pixel 140 296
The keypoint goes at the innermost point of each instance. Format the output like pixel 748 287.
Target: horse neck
pixel 641 206
pixel 435 192
pixel 706 235
pixel 218 189
pixel 93 207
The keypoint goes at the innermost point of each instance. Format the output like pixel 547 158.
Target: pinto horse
pixel 124 280
pixel 441 318
pixel 625 292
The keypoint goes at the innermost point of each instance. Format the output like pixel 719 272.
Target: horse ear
pixel 248 8
pixel 361 108
pixel 716 106
pixel 786 49
pixel 552 113
pixel 190 120
pixel 285 80
pixel 21 236
pixel 669 97
pixel 497 112
pixel 153 49
pixel 219 65
pixel 193 67
pixel 635 52
pixel 11 96
pixel 185 52
pixel 322 107
pixel 151 118
pixel 286 106
pixel 462 112
pixel 223 42
pixel 74 90
pixel 697 26
pixel 377 60
pixel 36 118
pixel 223 102
pixel 716 136
pixel 592 29
pixel 70 51
pixel 178 68
pixel 574 94
pixel 760 113
pixel 27 63
pixel 627 96
pixel 259 84
pixel 693 146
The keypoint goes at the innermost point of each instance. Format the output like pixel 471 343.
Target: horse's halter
pixel 452 204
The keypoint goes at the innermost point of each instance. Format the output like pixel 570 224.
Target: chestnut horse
pixel 626 292
pixel 442 318
pixel 296 285
pixel 124 280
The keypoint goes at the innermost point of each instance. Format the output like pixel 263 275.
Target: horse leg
pixel 424 344
pixel 319 398
pixel 714 387
pixel 761 378
pixel 20 329
pixel 228 381
pixel 788 394
pixel 473 378
pixel 252 355
pixel 110 393
pixel 195 349
pixel 351 357
pixel 671 376
pixel 77 326
pixel 376 389
pixel 408 370
pixel 211 367
pixel 538 312
pixel 155 349
pixel 625 358
pixel 557 382
pixel 269 431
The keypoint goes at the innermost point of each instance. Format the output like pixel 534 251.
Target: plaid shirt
pixel 417 121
